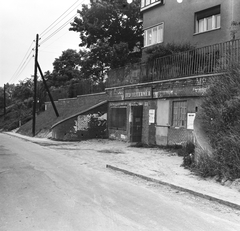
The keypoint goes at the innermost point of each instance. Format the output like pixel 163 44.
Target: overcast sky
pixel 20 21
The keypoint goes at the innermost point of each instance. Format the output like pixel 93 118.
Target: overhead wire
pixel 49 27
pixel 58 29
pixel 23 63
pixel 26 59
pixel 61 26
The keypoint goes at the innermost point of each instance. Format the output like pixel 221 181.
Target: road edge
pixel 205 196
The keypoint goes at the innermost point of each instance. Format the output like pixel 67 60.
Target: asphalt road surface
pixel 43 189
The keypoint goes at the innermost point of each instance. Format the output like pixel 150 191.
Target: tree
pixel 65 68
pixel 106 26
pixel 95 62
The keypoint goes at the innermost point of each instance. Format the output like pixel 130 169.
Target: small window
pixel 179 118
pixel 118 118
pixel 207 20
pixel 145 3
pixel 153 35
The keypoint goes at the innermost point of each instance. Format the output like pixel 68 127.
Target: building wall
pixel 179 135
pixel 91 124
pixel 157 101
pixel 179 22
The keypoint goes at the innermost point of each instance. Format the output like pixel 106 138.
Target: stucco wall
pixel 179 21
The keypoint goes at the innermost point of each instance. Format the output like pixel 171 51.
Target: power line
pixel 58 29
pixel 26 59
pixel 48 28
pixel 22 63
pixel 55 23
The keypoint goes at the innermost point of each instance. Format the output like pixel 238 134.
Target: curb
pixel 205 196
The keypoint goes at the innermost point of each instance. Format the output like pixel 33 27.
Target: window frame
pixel 118 123
pixel 159 35
pixel 146 4
pixel 179 120
pixel 202 18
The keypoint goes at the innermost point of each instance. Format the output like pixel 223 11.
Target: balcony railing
pixel 201 61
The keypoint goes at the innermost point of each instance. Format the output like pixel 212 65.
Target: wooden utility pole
pixel 4 99
pixel 35 87
pixel 49 94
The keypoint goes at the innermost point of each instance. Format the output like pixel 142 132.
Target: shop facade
pixel 160 113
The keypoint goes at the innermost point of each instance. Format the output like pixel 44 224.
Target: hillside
pixel 66 108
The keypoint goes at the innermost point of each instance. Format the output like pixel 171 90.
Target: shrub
pixel 206 165
pixel 220 116
pixel 187 151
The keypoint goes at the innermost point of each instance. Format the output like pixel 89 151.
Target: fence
pixel 206 60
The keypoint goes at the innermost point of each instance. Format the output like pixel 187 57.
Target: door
pixel 136 128
pixel 162 125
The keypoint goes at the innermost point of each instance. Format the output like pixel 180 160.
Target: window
pixel 207 20
pixel 118 118
pixel 179 118
pixel 153 35
pixel 145 3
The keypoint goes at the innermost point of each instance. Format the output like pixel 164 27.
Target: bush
pixel 187 151
pixel 206 165
pixel 220 116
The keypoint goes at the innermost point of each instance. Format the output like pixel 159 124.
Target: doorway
pixel 136 128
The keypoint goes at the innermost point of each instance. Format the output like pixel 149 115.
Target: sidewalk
pixel 151 164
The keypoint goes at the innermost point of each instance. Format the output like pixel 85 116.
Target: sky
pixel 21 21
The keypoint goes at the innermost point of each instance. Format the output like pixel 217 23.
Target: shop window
pixel 153 35
pixel 118 118
pixel 207 20
pixel 179 118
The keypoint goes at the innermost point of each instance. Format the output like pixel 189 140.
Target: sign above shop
pixel 138 93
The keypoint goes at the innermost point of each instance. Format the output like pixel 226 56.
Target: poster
pixel 151 116
pixel 190 120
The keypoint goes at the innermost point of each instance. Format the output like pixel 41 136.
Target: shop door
pixel 136 131
pixel 162 125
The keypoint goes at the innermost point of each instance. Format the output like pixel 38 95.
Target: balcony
pixel 201 61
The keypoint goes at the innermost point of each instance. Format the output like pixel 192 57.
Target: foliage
pixel 112 33
pixel 220 118
pixel 206 165
pixel 95 62
pixel 109 21
pixel 167 49
pixel 234 29
pixel 19 102
pixel 65 68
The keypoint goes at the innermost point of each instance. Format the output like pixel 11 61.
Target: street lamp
pixel 179 1
pixel 129 1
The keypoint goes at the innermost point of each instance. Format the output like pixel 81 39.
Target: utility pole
pixel 4 100
pixel 35 88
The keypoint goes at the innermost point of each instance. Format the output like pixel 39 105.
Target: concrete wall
pixel 78 101
pixel 91 124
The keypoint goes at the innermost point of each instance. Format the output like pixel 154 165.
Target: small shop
pixel 156 114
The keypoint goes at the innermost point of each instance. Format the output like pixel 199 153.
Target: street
pixel 43 188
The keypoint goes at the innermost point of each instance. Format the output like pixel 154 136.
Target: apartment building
pixel 198 22
pixel 157 104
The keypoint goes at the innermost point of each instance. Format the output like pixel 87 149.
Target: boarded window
pixel 179 118
pixel 118 118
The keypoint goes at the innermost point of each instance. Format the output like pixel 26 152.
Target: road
pixel 42 188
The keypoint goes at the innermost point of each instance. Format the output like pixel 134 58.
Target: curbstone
pixel 202 195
